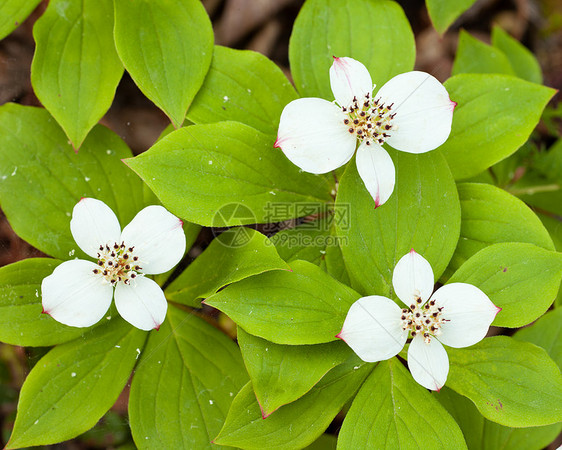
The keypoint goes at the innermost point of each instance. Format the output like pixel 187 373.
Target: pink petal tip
pixel 157 327
pixel 277 143
pixel 412 250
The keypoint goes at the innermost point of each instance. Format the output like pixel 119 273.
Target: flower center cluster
pixel 117 263
pixel 370 119
pixel 426 319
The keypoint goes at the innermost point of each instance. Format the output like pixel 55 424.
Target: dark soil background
pixel 263 26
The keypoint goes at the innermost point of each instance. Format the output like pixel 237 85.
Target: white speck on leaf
pixel 117 346
pixel 210 162
pixel 86 179
pixel 15 170
pixel 210 402
pixel 109 151
pixel 73 374
pixel 138 353
pixel 36 293
pixel 225 98
pixel 71 252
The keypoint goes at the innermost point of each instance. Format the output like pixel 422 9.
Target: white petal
pixel 428 363
pixel 376 169
pixel 313 136
pixel 412 277
pixel 142 303
pixel 349 78
pixel 93 224
pixel 157 237
pixel 469 313
pixel 373 328
pixel 74 295
pixel 424 111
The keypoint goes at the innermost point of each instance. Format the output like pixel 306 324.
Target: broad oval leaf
pixel 392 411
pixel 444 12
pixel 75 69
pixel 13 13
pixel 422 213
pixel 494 117
pixel 545 333
pixel 483 434
pixel 234 255
pixel 474 56
pixel 243 86
pixel 489 215
pixel 281 374
pixel 513 383
pixel 21 321
pixel 226 174
pixel 184 384
pixel 522 60
pixel 317 242
pixel 305 306
pixel 42 178
pixel 167 48
pixel 294 425
pixel 522 279
pixel 74 384
pixel 376 33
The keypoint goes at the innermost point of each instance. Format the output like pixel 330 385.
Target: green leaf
pixel 13 13
pixel 523 62
pixel 21 321
pixel 494 117
pixel 392 411
pixel 243 86
pixel 184 384
pixel 324 442
pixel 545 333
pixel 512 383
pixel 294 425
pixel 281 374
pixel 444 12
pixel 73 386
pixel 42 178
pixel 473 56
pixel 225 174
pixel 305 306
pixel 554 226
pixel 376 33
pixel 234 255
pixel 303 242
pixel 522 279
pixel 316 242
pixel 75 68
pixel 422 213
pixel 489 215
pixel 486 435
pixel 167 47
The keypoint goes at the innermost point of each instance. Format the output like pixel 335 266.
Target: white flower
pixel 78 292
pixel 457 315
pixel 412 112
